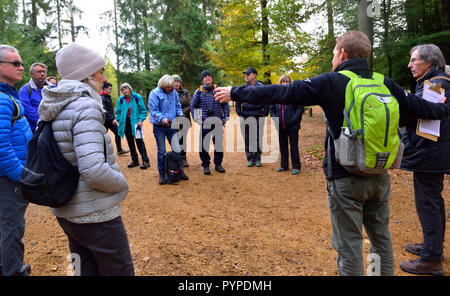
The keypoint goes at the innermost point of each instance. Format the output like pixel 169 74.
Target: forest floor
pixel 248 221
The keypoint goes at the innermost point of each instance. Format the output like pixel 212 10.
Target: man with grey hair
pixel 429 161
pixel 14 136
pixel 31 93
pixel 164 106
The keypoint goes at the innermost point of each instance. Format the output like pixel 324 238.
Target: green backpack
pixel 369 143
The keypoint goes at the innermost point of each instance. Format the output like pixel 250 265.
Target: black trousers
pixel 430 208
pixel 103 248
pixel 139 142
pixel 115 130
pixel 253 143
pixel 218 146
pixel 289 138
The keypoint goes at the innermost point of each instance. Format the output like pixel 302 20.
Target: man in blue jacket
pixel 31 93
pixel 354 200
pixel 14 136
pixel 164 106
pixel 212 116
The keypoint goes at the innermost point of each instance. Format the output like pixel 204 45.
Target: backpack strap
pixel 441 77
pixel 349 74
pixel 16 111
pixel 28 86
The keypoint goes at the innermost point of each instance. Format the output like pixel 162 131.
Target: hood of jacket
pixel 9 90
pixel 56 99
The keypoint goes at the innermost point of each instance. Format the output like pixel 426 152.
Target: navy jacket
pixel 421 154
pixel 246 110
pixel 328 91
pixel 204 100
pixel 289 116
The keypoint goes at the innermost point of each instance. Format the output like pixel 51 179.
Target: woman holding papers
pixel 429 160
pixel 130 113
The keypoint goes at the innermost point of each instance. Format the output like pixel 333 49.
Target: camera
pixel 210 112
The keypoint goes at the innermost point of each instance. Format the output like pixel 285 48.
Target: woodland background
pixel 157 37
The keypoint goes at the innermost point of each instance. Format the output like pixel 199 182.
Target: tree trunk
pixel 34 13
pixel 146 38
pixel 330 20
pixel 386 36
pixel 58 12
pixel 365 24
pixel 72 21
pixel 116 33
pixel 265 40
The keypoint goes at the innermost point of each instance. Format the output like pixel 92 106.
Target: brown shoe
pixel 414 248
pixel 434 267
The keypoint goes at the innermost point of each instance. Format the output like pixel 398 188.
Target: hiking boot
pixel 183 176
pixel 418 266
pixel 258 163
pixel 25 270
pixel 250 163
pixel 145 165
pixel 220 169
pixel 414 248
pixel 281 170
pixel 185 163
pixel 122 152
pixel 295 171
pixel 133 164
pixel 161 180
pixel 207 171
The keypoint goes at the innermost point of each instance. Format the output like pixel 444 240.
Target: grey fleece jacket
pixel 77 114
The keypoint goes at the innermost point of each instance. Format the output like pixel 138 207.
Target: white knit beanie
pixel 76 62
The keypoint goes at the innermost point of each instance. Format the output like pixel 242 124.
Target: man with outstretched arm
pixel 354 200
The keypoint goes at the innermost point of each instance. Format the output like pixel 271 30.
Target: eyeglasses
pixel 413 60
pixel 15 64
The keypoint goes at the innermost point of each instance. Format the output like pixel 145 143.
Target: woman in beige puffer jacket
pixel 92 218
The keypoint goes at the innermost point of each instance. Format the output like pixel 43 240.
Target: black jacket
pixel 109 108
pixel 328 91
pixel 423 155
pixel 250 110
pixel 289 116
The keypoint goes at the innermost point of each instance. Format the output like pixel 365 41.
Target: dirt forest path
pixel 248 221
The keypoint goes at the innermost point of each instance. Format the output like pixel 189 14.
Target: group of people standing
pixel 92 219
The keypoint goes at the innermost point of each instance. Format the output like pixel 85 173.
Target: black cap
pixel 205 73
pixel 250 70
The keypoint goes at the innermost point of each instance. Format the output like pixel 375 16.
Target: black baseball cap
pixel 250 70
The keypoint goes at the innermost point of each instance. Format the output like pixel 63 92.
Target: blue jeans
pixel 12 226
pixel 161 133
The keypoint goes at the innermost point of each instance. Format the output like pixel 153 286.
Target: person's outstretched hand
pixel 223 94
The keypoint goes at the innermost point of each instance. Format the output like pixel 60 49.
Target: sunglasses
pixel 15 64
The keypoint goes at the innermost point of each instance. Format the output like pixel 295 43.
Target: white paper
pixel 139 133
pixel 431 127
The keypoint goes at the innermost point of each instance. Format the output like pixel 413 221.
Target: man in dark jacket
pixel 110 117
pixel 252 122
pixel 185 101
pixel 212 116
pixel 354 200
pixel 429 161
